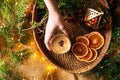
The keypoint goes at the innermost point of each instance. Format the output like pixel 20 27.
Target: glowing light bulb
pixel 21 54
pixel 32 43
pixel 48 73
pixel 16 3
pixel 49 68
pixel 35 55
pixel 34 78
pixel 19 46
pixel 43 59
pixel 12 39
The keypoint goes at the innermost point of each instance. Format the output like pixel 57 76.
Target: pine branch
pixel 115 41
pixel 18 57
pixel 11 14
pixel 40 4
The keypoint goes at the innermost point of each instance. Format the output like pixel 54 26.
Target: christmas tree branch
pixel 34 24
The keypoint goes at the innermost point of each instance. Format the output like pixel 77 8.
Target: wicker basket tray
pixel 68 61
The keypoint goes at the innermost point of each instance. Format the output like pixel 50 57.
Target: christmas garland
pixel 11 35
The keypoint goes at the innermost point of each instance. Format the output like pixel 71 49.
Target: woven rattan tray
pixel 68 61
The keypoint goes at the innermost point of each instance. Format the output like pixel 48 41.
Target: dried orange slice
pixel 60 44
pixel 79 49
pixel 86 35
pixel 88 56
pixel 82 39
pixel 94 55
pixel 96 40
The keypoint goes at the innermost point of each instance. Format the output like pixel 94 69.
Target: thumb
pixel 47 40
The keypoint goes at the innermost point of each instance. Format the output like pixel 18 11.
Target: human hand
pixel 55 23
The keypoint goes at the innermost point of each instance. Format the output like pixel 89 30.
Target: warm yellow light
pixel 32 43
pixel 12 39
pixel 43 59
pixel 48 73
pixel 34 78
pixel 21 54
pixel 19 46
pixel 50 68
pixel 35 54
pixel 16 3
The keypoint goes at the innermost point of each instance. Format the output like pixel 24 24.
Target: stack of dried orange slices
pixel 85 48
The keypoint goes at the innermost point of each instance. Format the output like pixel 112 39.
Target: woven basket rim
pixel 42 48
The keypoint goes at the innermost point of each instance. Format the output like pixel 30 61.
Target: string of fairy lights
pixel 37 55
pixel 49 68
